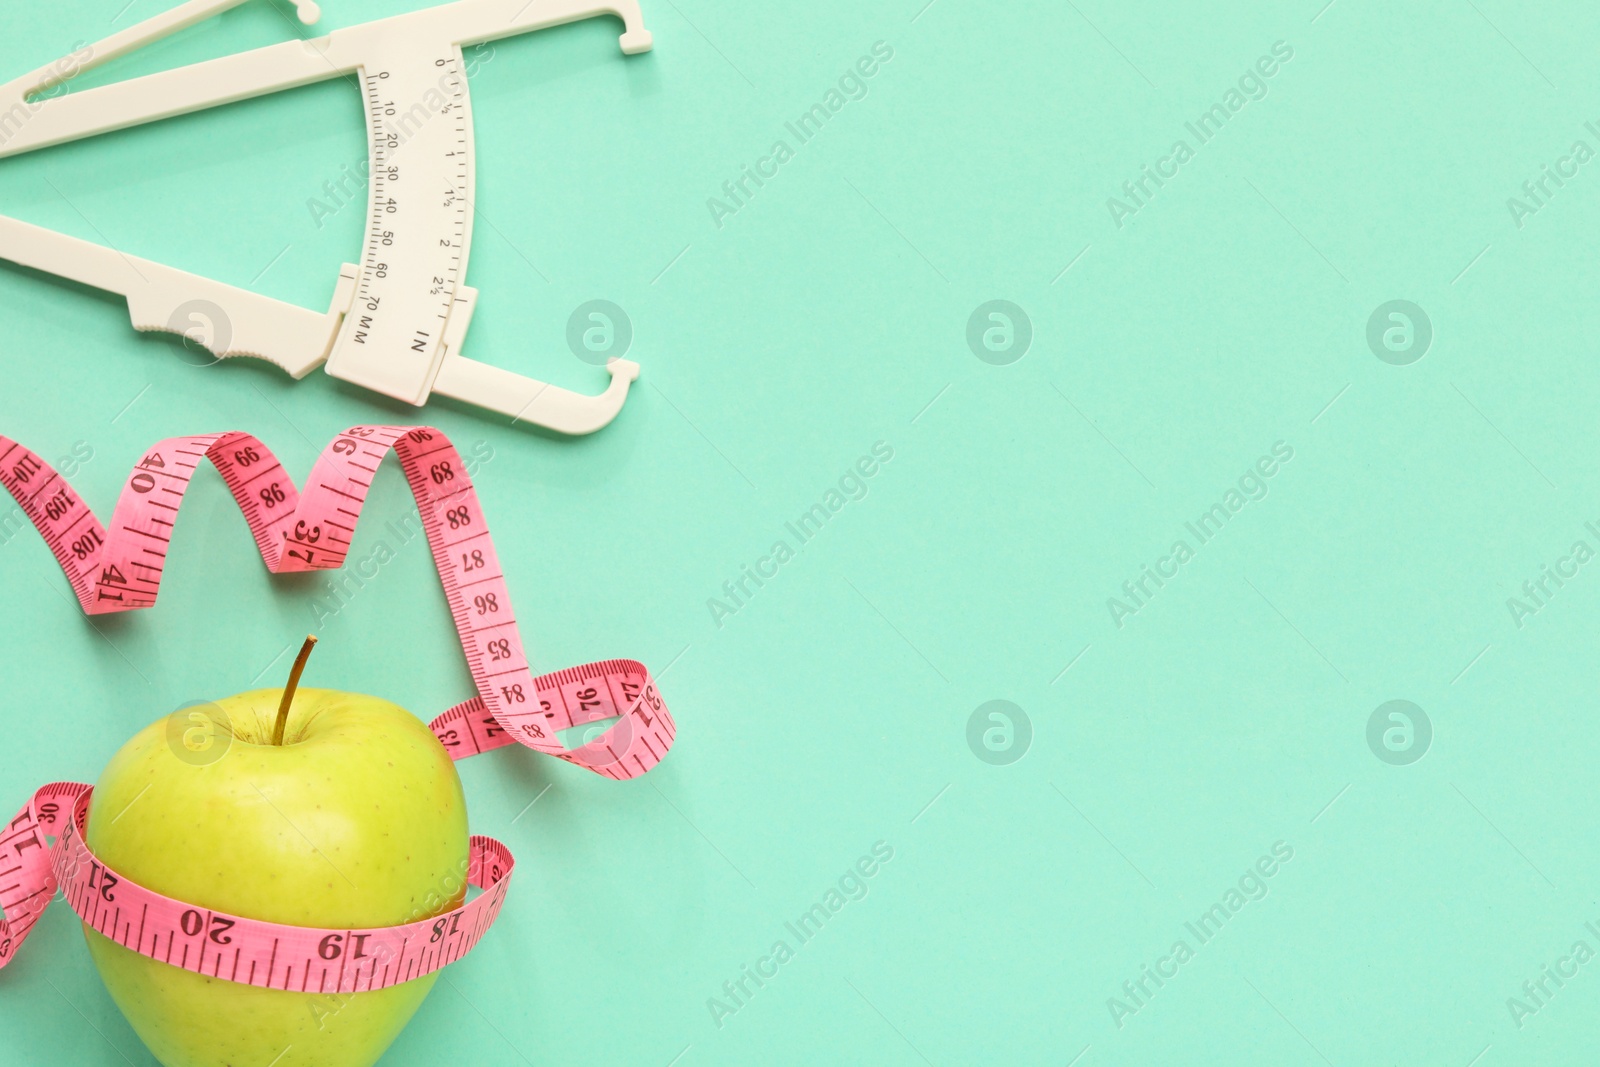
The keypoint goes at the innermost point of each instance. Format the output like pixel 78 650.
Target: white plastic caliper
pixel 397 319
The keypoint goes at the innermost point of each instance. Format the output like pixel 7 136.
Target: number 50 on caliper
pixel 398 317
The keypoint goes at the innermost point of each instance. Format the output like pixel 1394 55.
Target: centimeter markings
pixel 380 159
pixel 248 951
pixel 418 123
pixel 119 568
pixel 382 170
pixel 26 881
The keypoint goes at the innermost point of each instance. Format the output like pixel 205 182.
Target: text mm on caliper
pixel 398 318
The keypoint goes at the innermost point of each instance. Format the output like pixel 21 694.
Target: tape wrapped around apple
pixel 309 807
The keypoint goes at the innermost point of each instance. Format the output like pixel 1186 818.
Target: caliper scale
pixel 397 319
pixel 419 224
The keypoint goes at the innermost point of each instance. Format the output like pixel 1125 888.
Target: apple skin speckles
pixel 289 834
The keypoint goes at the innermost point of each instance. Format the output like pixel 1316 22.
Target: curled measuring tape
pixel 214 943
pixel 118 568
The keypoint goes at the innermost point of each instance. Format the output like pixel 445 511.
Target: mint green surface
pixel 1228 715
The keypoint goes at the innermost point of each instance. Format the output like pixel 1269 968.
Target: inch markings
pixel 118 567
pixel 109 572
pixel 205 941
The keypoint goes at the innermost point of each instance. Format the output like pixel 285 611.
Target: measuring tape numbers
pixel 118 568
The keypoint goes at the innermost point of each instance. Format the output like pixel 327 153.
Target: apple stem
pixel 288 690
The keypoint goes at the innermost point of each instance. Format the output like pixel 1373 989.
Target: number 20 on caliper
pixel 398 317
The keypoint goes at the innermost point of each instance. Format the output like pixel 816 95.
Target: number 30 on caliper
pixel 397 319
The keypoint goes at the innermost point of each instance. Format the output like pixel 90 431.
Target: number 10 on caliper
pixel 398 317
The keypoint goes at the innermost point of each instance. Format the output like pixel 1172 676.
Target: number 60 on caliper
pixel 398 317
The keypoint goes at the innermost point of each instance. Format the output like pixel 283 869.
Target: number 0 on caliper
pixel 397 319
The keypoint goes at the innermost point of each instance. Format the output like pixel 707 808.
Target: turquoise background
pixel 1167 754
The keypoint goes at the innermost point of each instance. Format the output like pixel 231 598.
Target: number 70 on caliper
pixel 398 317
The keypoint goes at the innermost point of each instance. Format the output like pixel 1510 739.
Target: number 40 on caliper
pixel 398 317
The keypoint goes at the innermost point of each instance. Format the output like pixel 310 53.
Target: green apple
pixel 356 819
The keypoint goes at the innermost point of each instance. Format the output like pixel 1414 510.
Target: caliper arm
pixel 226 320
pixel 526 400
pixel 523 398
pixel 26 125
pixel 230 321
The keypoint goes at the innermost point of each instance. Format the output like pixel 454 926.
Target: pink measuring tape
pixel 119 569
